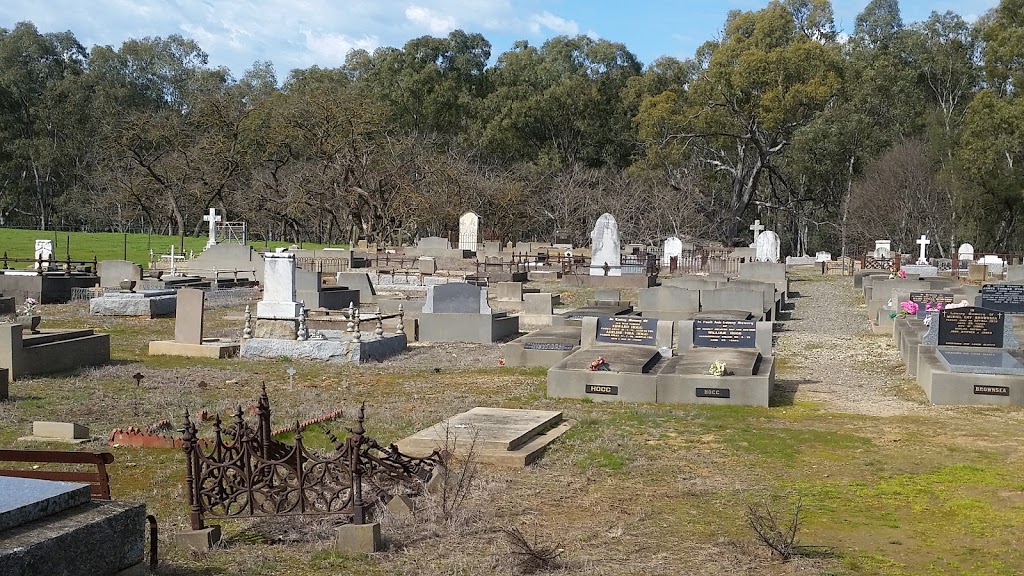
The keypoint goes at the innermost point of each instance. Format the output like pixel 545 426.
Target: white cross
pixel 923 241
pixel 756 227
pixel 174 270
pixel 212 218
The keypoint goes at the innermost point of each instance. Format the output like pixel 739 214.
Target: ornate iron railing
pixel 245 472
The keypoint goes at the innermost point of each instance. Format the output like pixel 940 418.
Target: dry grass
pixel 632 489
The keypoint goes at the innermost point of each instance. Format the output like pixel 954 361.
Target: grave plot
pixel 618 360
pixel 500 436
pixel 732 300
pixel 545 347
pixel 970 355
pixel 719 361
pixel 668 303
pixel 605 303
pixel 458 312
pixel 188 332
pixel 45 351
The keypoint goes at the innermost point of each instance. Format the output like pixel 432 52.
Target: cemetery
pixel 530 374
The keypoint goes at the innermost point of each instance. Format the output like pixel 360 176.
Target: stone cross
pixel 174 270
pixel 212 218
pixel 756 227
pixel 923 241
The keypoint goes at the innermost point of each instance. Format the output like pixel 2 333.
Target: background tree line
pixel 893 131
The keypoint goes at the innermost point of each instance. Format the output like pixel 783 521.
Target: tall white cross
pixel 212 218
pixel 174 269
pixel 757 228
pixel 923 241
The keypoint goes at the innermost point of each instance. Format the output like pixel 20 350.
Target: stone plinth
pixel 50 350
pixel 358 538
pixel 277 329
pixel 144 303
pixel 336 350
pixel 545 347
pixel 210 348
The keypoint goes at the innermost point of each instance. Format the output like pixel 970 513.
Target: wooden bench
pixel 99 480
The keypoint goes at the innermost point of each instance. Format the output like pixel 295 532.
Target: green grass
pixel 106 245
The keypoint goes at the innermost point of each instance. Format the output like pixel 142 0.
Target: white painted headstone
pixel 673 247
pixel 606 248
pixel 756 227
pixel 469 225
pixel 278 288
pixel 923 242
pixel 966 253
pixel 212 218
pixel 767 248
pixel 822 256
pixel 883 249
pixel 44 249
pixel 995 264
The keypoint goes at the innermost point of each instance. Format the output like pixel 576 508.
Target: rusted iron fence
pixel 321 264
pixel 49 263
pixel 244 472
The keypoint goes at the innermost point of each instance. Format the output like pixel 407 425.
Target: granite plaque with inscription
pixel 627 330
pixel 562 346
pixel 712 393
pixel 601 389
pixel 1007 298
pixel 991 390
pixel 971 326
pixel 723 333
pixel 922 299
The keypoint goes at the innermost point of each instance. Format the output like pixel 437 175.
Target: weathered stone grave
pixel 618 360
pixel 744 349
pixel 113 272
pixel 458 312
pixel 310 290
pixel 131 302
pixel 668 302
pixel 277 313
pixel 50 350
pixel 736 298
pixel 971 355
pixel 188 332
pixel 49 527
pixel 359 281
pixel 606 248
pixel 767 247
pixel 545 347
pixel 469 226
pixel 500 436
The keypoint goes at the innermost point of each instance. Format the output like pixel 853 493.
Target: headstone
pixel 923 242
pixel 426 265
pixel 112 272
pixel 977 272
pixel 606 257
pixel 883 249
pixel 456 298
pixel 965 254
pixel 60 430
pixel 627 330
pixel 823 257
pixel 767 247
pixel 995 264
pixel 607 295
pixel 212 218
pixel 469 225
pixel 278 288
pixel 756 228
pixel 724 333
pixel 1007 298
pixel 973 327
pixel 188 321
pixel 44 250
pixel 673 248
pixel 922 299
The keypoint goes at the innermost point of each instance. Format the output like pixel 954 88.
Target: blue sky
pixel 300 33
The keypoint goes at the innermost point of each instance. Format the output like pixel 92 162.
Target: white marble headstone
pixel 883 249
pixel 966 252
pixel 278 287
pixel 822 256
pixel 673 247
pixel 469 226
pixel 995 263
pixel 767 248
pixel 606 247
pixel 44 248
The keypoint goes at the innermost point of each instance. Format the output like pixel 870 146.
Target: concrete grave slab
pixel 23 500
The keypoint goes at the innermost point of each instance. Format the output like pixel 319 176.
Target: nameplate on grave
pixel 712 393
pixel 627 330
pixel 991 390
pixel 971 326
pixel 922 299
pixel 563 346
pixel 601 389
pixel 1007 298
pixel 720 333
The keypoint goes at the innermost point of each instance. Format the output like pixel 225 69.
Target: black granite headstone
pixel 724 333
pixel 627 330
pixel 922 299
pixel 1007 298
pixel 971 326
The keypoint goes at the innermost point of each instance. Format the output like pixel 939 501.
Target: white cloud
pixel 554 23
pixel 331 49
pixel 427 18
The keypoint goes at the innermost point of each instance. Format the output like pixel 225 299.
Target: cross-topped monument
pixel 756 227
pixel 923 241
pixel 212 218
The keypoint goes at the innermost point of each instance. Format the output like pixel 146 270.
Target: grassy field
pixel 18 243
pixel 631 489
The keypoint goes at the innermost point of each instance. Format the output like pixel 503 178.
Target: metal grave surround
pixel 980 361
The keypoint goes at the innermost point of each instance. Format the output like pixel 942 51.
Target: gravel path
pixel 830 356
